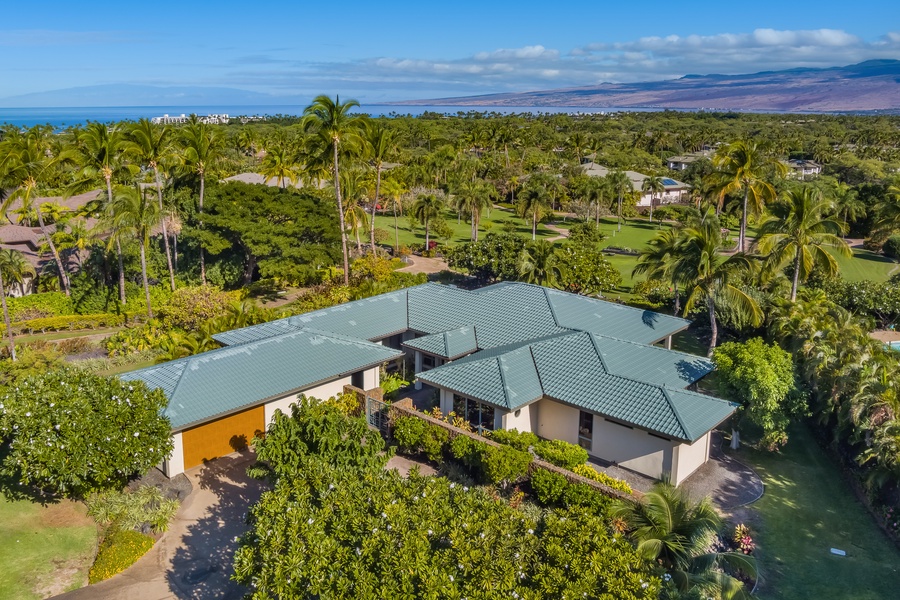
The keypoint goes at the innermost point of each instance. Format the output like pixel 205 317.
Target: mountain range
pixel 873 85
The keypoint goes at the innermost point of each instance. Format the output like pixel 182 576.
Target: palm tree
pixel 537 264
pixel 798 232
pixel 354 191
pixel 132 213
pixel 15 268
pixel 658 259
pixel 745 166
pixel 888 212
pixel 154 146
pixel 202 147
pixel 533 204
pixel 654 185
pixel 339 127
pixel 6 322
pixel 425 210
pixel 707 275
pixel 473 197
pixel 381 145
pixel 394 192
pixel 847 205
pixel 620 185
pixel 676 532
pixel 28 164
pixel 102 156
pixel 280 163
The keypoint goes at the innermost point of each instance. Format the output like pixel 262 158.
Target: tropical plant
pixel 746 166
pixel 394 193
pixel 671 529
pixel 280 163
pixel 340 130
pixel 15 268
pixel 657 259
pixel 381 145
pixel 847 205
pixel 538 264
pixel 533 204
pixel 472 197
pixel 653 185
pixel 133 213
pixel 621 185
pixel 426 209
pixel 798 232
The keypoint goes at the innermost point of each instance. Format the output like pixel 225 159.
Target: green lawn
pixel 44 550
pixel 129 367
pixel 461 231
pixel 808 509
pixel 866 265
pixel 62 335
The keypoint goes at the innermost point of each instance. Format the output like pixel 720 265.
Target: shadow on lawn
pixel 203 565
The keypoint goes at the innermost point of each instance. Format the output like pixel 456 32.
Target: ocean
pixel 67 117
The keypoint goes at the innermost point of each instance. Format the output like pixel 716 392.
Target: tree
pixel 653 185
pixel 798 231
pixel 28 164
pixel 381 146
pixel 15 268
pixel 495 257
pixel 847 205
pixel 745 166
pixel 657 260
pixel 888 213
pixel 394 192
pixel 427 208
pixel 337 126
pixel 472 197
pixel 538 264
pixel 101 156
pixel 583 270
pixel 354 191
pixel 280 163
pixel 202 147
pixel 6 322
pixel 761 378
pixel 708 276
pixel 69 432
pixel 533 204
pixel 671 529
pixel 154 146
pixel 620 184
pixel 133 213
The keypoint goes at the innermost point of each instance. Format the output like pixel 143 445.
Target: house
pixel 674 191
pixel 681 163
pixel 510 355
pixel 803 169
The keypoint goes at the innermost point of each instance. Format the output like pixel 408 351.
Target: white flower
pixel 28 414
pixel 309 522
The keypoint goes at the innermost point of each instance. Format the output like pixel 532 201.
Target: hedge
pixel 590 472
pixel 68 323
pixel 36 306
pixel 118 551
pixel 560 453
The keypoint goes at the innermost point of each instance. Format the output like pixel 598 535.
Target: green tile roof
pixel 218 382
pixel 621 380
pixel 447 344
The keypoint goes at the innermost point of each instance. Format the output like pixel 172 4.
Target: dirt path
pixel 420 264
pixel 561 233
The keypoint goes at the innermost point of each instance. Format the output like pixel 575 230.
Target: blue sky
pixel 402 50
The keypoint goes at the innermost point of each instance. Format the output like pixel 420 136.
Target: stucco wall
pixel 689 458
pixel 175 463
pixel 634 449
pixel 557 421
pixel 322 392
pixel 527 420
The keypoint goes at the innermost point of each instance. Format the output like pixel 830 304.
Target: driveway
pixel 193 559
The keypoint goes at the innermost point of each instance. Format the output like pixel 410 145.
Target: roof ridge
pixel 446 337
pixel 698 394
pixel 537 370
pixel 503 380
pixel 634 343
pixel 324 332
pixel 180 379
pixel 684 429
pixel 599 354
pixel 617 304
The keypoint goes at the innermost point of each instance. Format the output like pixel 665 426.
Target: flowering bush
pixel 119 550
pixel 742 540
pixel 190 306
pixel 590 472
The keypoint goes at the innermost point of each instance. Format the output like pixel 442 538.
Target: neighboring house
pixel 803 169
pixel 510 355
pixel 675 191
pixel 681 163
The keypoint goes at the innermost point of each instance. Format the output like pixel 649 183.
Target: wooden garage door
pixel 222 436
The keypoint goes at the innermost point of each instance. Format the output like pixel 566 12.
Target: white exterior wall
pixel 371 378
pixel 557 421
pixel 633 449
pixel 174 465
pixel 689 458
pixel 446 402
pixel 322 392
pixel 526 420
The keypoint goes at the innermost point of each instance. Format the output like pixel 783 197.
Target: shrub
pixel 742 540
pixel 504 464
pixel 119 550
pixel 560 453
pixel 585 497
pixel 67 323
pixel 590 472
pixel 548 487
pixel 36 306
pixel 654 291
pixel 145 337
pixel 408 433
pixel 391 383
pixel 891 247
pixel 75 345
pixel 346 402
pixel 434 440
pixel 190 306
pixel 520 440
pixel 468 451
pixel 145 507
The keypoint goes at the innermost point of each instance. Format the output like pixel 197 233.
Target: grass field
pixel 45 550
pixel 866 265
pixel 806 510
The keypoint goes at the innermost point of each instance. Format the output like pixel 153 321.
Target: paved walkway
pixel 420 264
pixel 192 560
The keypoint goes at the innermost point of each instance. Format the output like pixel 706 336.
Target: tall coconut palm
pixel 101 157
pixel 888 211
pixel 381 145
pixel 427 208
pixel 657 260
pixel 538 264
pixel 746 166
pixel 353 189
pixel 847 205
pixel 653 185
pixel 707 275
pixel 132 213
pixel 675 532
pixel 15 268
pixel 533 204
pixel 202 147
pixel 6 321
pixel 336 124
pixel 621 185
pixel 280 163
pixel 798 233
pixel 472 198
pixel 154 146
pixel 394 192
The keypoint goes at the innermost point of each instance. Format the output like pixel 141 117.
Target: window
pixel 479 414
pixel 585 430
